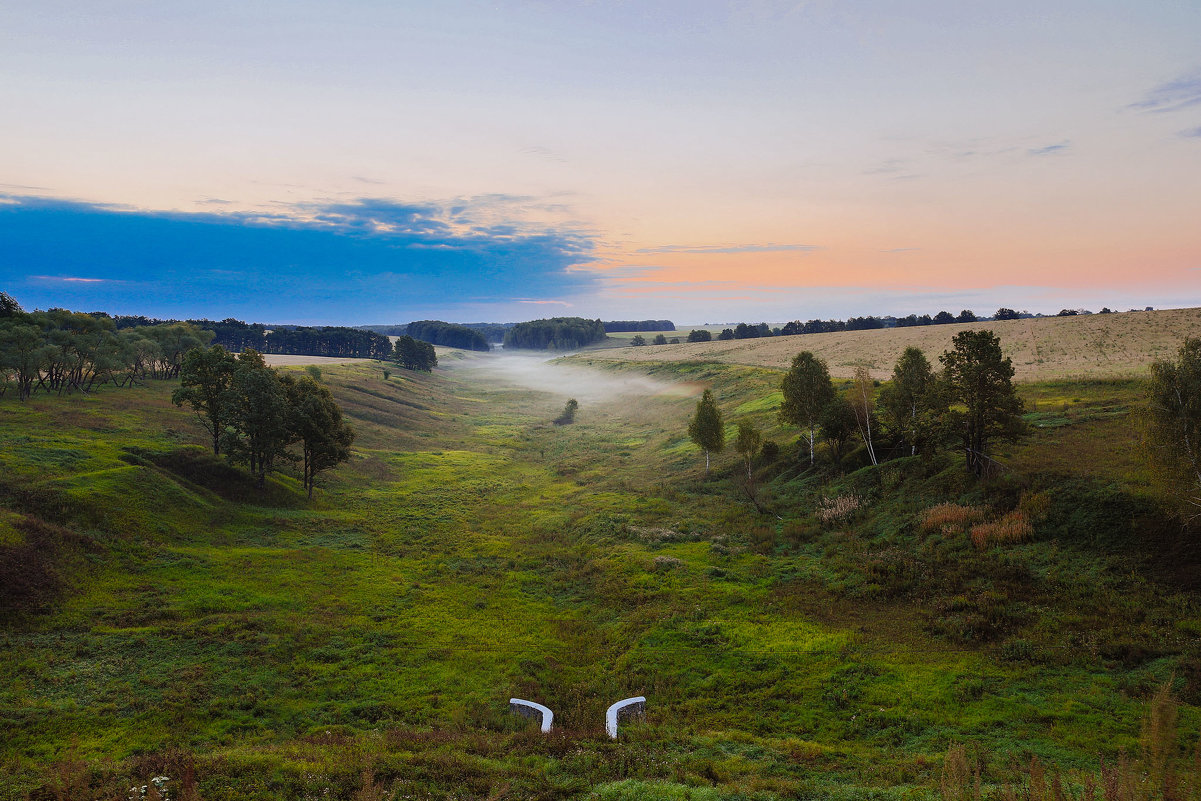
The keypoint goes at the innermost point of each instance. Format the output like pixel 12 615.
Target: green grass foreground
pixel 174 620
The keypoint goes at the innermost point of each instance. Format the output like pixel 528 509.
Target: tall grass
pixel 1011 527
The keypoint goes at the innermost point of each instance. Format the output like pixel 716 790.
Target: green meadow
pixel 166 617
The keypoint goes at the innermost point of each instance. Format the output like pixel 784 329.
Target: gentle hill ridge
pixel 1045 348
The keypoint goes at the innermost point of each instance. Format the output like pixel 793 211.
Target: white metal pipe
pixel 529 709
pixel 630 706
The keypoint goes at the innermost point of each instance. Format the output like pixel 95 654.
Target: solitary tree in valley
pixel 979 379
pixel 568 415
pixel 706 429
pixel 807 390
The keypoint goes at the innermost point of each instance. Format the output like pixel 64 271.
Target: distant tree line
pixel 817 326
pixel 556 333
pixel 616 326
pixel 60 351
pixel 236 335
pixel 450 335
pixel 254 414
pixel 491 332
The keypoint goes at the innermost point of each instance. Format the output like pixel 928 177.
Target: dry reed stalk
pixel 832 510
pixel 950 517
pixel 1012 527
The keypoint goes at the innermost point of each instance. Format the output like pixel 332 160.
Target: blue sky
pixel 374 162
pixel 315 264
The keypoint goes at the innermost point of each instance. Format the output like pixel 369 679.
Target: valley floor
pixel 253 645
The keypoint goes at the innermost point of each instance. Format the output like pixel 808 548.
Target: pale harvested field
pixel 1093 346
pixel 288 360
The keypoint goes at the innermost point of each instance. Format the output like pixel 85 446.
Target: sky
pixel 374 161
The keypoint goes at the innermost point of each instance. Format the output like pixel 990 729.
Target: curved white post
pixel 626 708
pixel 529 709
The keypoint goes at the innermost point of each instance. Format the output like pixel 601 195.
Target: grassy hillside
pixel 1044 349
pixel 254 645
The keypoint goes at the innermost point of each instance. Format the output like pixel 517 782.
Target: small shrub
pixel 1013 527
pixel 387 374
pixel 838 509
pixel 568 415
pixel 1018 651
pixel 1035 505
pixel 314 372
pixel 960 782
pixel 763 539
pixel 770 451
pixel 666 563
pixel 950 517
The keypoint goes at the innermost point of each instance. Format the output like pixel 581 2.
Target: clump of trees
pixel 971 400
pixel 61 352
pixel 555 333
pixel 448 335
pixel 413 354
pixel 254 415
pixel 700 335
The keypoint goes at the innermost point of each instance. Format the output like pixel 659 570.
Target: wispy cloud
pixel 544 153
pixel 1191 133
pixel 899 250
pixel 887 167
pixel 543 302
pixel 1178 93
pixel 1050 150
pixel 71 279
pixel 727 249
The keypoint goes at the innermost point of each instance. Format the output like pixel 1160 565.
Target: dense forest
pixel 616 326
pixel 235 335
pixel 556 333
pixel 450 335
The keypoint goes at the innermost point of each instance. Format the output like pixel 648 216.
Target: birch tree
pixel 910 403
pixel 747 444
pixel 807 390
pixel 863 403
pixel 706 428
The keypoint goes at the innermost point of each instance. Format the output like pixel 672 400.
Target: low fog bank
pixel 587 385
